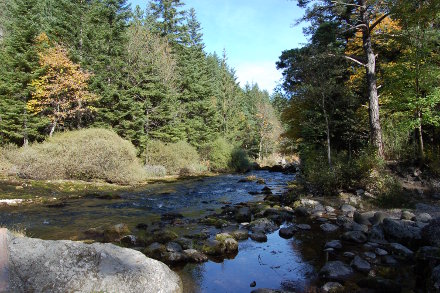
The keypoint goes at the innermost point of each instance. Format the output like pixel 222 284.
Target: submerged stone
pixel 336 271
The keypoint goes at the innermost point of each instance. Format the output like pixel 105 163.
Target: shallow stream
pixel 277 264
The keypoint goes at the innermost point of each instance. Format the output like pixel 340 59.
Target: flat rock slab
pixel 4 260
pixel 37 265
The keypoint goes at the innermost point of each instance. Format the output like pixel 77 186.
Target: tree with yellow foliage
pixel 61 92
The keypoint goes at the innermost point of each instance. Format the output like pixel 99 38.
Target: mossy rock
pixel 218 223
pixel 222 237
pixel 213 247
pixel 164 236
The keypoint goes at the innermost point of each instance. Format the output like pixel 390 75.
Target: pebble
pixel 381 252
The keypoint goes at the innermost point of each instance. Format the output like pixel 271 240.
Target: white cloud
pixel 264 74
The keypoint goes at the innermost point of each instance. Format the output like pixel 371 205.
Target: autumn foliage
pixel 61 92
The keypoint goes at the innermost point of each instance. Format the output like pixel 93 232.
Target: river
pixel 277 263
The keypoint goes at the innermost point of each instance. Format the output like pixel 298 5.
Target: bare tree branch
pixel 355 60
pixel 347 4
pixel 379 20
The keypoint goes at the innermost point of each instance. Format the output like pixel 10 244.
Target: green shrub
pixel 239 160
pixel 363 170
pixel 155 171
pixel 173 156
pixel 218 154
pixel 85 154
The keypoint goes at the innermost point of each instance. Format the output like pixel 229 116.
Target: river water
pixel 277 264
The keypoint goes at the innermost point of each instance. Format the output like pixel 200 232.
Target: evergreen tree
pixel 199 110
pixel 19 64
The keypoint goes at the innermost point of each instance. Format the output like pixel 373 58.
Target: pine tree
pixel 19 64
pixel 200 115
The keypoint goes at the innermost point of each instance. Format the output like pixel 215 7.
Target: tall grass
pixel 85 154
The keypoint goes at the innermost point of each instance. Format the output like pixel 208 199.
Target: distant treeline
pixel 71 64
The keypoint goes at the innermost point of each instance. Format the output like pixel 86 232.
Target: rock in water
pixel 335 271
pixel 360 264
pixel 328 228
pixel 431 233
pixel 67 266
pixel 401 230
pixel 287 232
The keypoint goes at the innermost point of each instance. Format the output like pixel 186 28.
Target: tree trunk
pixel 375 128
pixel 52 128
pixel 329 154
pixel 25 129
pixel 420 136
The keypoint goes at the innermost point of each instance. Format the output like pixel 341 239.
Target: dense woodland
pixel 364 90
pixel 365 87
pixel 145 74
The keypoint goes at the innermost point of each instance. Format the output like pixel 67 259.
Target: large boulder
pixel 402 231
pixel 37 265
pixel 263 225
pixel 431 233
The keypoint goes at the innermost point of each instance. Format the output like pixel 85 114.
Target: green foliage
pixel 239 160
pixel 173 156
pixel 362 170
pixel 218 154
pixel 85 155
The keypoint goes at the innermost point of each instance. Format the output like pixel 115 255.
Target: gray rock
pixel 400 250
pixel 258 237
pixel 328 228
pixel 231 245
pixel 354 236
pixel 390 260
pixel 332 287
pixel 431 233
pixel 435 277
pixel 155 250
pixel 287 232
pixel 370 255
pixel 264 225
pixel 195 256
pixel 129 240
pixel 66 266
pixel 358 227
pixel 213 247
pixel 360 264
pixel 243 215
pixel 240 234
pixel 173 247
pixel 302 212
pixel 378 218
pixel 335 271
pixel 330 209
pixel 304 226
pixel 349 254
pixel 380 251
pixel 361 219
pixel 426 252
pixel 377 235
pixel 336 244
pixel 423 217
pixel 407 215
pixel 348 209
pixel 401 230
pixel 175 257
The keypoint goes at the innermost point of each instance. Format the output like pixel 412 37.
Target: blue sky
pixel 253 32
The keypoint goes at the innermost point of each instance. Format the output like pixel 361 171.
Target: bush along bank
pixel 100 154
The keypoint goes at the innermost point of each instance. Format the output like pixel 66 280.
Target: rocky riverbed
pixel 241 233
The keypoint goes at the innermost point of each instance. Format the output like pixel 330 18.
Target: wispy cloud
pixel 264 74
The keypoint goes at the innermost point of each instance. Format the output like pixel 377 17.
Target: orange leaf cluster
pixel 62 91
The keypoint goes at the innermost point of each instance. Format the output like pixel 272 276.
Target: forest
pixel 364 91
pixel 143 74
